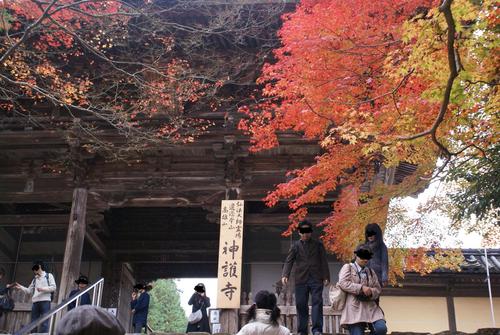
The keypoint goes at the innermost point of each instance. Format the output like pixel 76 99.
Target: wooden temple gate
pixel 155 216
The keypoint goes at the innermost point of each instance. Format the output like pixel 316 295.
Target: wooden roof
pixel 160 207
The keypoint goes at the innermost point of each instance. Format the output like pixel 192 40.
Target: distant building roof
pixel 475 261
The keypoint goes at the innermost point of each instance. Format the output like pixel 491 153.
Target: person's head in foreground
pixel 266 303
pixel 89 320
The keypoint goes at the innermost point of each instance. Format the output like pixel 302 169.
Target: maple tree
pixel 379 83
pixel 116 77
pixel 94 62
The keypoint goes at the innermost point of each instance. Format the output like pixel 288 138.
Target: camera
pixel 362 297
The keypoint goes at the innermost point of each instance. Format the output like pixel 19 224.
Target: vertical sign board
pixel 230 249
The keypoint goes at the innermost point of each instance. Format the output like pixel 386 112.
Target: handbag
pixel 6 302
pixel 337 297
pixel 195 317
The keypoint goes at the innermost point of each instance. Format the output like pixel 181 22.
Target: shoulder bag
pixel 337 296
pixel 195 317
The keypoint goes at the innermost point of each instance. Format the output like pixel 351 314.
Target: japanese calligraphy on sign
pixel 230 248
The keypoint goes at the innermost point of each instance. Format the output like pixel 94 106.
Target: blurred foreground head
pixel 89 320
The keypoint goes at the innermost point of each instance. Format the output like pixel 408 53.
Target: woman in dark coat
pixel 380 260
pixel 199 300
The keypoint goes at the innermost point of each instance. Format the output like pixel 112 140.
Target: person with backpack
pixel 42 289
pixel 362 286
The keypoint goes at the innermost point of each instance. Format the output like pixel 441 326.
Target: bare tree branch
pixel 27 32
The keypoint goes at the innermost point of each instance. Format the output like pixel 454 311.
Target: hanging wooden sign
pixel 230 254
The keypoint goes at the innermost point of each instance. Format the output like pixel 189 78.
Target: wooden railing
pixel 13 321
pixel 286 302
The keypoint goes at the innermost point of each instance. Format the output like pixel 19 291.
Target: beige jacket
pixel 262 325
pixel 355 310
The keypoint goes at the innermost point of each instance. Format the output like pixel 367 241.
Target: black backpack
pixel 6 303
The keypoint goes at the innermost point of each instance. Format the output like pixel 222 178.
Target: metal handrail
pixel 97 288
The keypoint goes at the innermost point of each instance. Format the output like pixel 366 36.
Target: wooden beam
pixel 149 272
pixel 74 242
pixel 8 245
pixel 35 220
pixel 96 243
pixel 155 246
pixel 45 196
pixel 277 219
pixel 175 236
pixel 170 256
pixel 450 305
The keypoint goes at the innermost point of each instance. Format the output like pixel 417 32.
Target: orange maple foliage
pixel 362 78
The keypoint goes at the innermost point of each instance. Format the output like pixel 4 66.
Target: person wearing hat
pixel 140 306
pixel 200 301
pixel 82 283
pixel 89 320
pixel 41 288
pixel 363 289
pixel 263 316
pixel 380 260
pixel 311 273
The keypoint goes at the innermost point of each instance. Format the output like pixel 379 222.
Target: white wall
pixel 415 314
pixel 474 313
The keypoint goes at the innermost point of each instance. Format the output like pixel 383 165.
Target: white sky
pixel 441 224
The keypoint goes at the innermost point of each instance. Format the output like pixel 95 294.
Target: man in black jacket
pixel 311 273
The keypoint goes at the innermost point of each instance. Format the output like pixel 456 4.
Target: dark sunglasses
pixel 305 230
pixel 364 254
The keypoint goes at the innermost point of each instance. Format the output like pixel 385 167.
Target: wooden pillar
pixel 74 242
pixel 118 284
pixel 229 320
pixel 111 271
pixel 450 304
